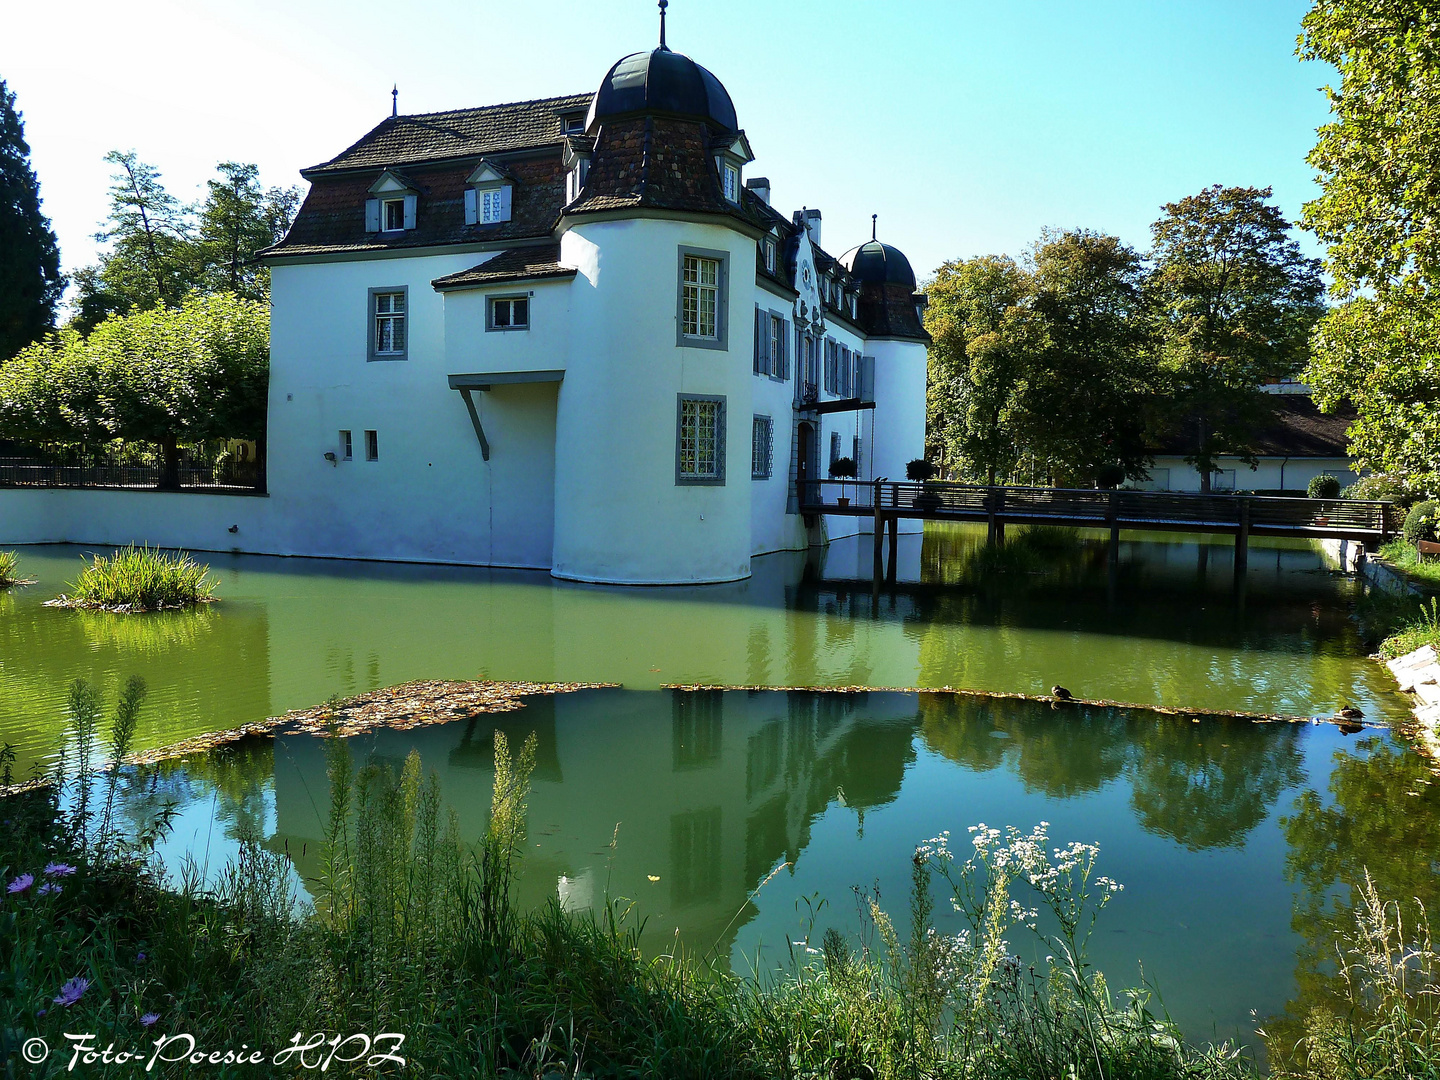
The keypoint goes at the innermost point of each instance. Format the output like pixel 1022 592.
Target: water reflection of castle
pixel 704 792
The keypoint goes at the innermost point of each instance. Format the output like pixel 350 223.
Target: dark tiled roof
pixel 332 218
pixel 517 264
pixel 659 163
pixel 889 311
pixel 399 140
pixel 1297 429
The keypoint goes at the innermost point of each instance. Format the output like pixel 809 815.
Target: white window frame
pixel 492 322
pixel 770 254
pixel 779 344
pixel 386 207
pixel 491 208
pixel 691 295
pixel 393 318
pixel 730 182
pixel 701 449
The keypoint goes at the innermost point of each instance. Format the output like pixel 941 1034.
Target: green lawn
pixel 1402 555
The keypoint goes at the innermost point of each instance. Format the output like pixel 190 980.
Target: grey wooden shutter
pixel 505 202
pixel 411 202
pixel 867 378
pixel 760 366
pixel 372 215
pixel 472 214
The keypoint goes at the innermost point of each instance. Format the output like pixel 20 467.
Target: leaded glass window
pixel 700 451
pixel 700 298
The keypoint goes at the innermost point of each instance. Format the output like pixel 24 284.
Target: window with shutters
pixel 389 319
pixel 700 440
pixel 762 448
pixel 393 215
pixel 779 367
pixel 701 303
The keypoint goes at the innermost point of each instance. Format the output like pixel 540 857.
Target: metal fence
pixel 222 475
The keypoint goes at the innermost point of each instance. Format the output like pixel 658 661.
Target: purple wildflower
pixel 58 869
pixel 149 1018
pixel 21 883
pixel 49 887
pixel 72 992
pixel 139 957
pixel 39 1012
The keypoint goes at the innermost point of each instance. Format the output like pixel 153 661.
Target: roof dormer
pixel 488 194
pixel 575 159
pixel 393 204
pixel 732 154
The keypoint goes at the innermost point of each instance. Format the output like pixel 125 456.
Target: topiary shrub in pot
pixel 1423 522
pixel 921 471
pixel 1323 486
pixel 843 469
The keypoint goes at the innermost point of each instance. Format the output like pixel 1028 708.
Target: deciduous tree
pixel 1235 301
pixel 237 220
pixel 1379 214
pixel 30 278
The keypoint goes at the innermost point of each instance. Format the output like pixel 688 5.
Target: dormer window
pixel 575 179
pixel 770 254
pixel 392 215
pixel 573 125
pixel 730 182
pixel 488 196
pixel 392 205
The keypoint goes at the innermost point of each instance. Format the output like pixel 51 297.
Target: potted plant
pixel 843 469
pixel 921 471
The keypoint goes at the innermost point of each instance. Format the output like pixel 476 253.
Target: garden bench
pixel 1427 547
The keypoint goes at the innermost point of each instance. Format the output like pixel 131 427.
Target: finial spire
pixel 872 225
pixel 395 100
pixel 663 5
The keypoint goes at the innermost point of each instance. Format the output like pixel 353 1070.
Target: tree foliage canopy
pixel 161 250
pixel 1379 214
pixel 1234 301
pixel 30 277
pixel 166 376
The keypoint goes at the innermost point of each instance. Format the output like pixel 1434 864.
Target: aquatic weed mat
pixel 1045 699
pixel 399 708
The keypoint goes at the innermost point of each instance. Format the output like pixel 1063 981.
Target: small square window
pixel 394 215
pixel 509 313
pixel 372 446
pixel 347 449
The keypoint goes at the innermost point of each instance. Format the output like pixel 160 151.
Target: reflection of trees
pixel 1384 820
pixel 1204 784
pixel 236 776
pixel 1208 784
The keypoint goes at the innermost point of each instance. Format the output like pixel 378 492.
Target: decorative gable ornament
pixel 488 194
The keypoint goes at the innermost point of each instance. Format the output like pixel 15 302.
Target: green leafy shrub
pixel 141 579
pixel 1423 522
pixel 843 468
pixel 1323 486
pixel 919 470
pixel 1383 486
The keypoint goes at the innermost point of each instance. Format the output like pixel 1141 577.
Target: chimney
pixel 811 221
pixel 760 185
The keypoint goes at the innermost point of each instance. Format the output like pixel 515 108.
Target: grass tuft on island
pixel 139 579
pixel 10 571
pixel 414 932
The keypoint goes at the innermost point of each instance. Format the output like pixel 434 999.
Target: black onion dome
pixel 662 81
pixel 877 263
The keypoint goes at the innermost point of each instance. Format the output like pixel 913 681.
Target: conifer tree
pixel 30 278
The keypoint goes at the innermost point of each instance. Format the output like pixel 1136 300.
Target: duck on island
pixel 1059 693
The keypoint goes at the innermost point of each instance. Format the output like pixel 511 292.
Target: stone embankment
pixel 1418 673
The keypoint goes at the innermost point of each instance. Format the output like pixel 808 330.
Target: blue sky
pixel 967 126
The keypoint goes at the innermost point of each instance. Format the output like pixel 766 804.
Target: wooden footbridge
pixel 1365 522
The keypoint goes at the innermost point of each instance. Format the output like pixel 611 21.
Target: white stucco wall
pixel 429 496
pixel 1173 473
pixel 620 516
pixel 900 378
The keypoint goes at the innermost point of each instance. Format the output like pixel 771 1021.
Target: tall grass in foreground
pixel 142 579
pixel 414 932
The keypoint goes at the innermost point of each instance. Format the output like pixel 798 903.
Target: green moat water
pixel 1232 838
